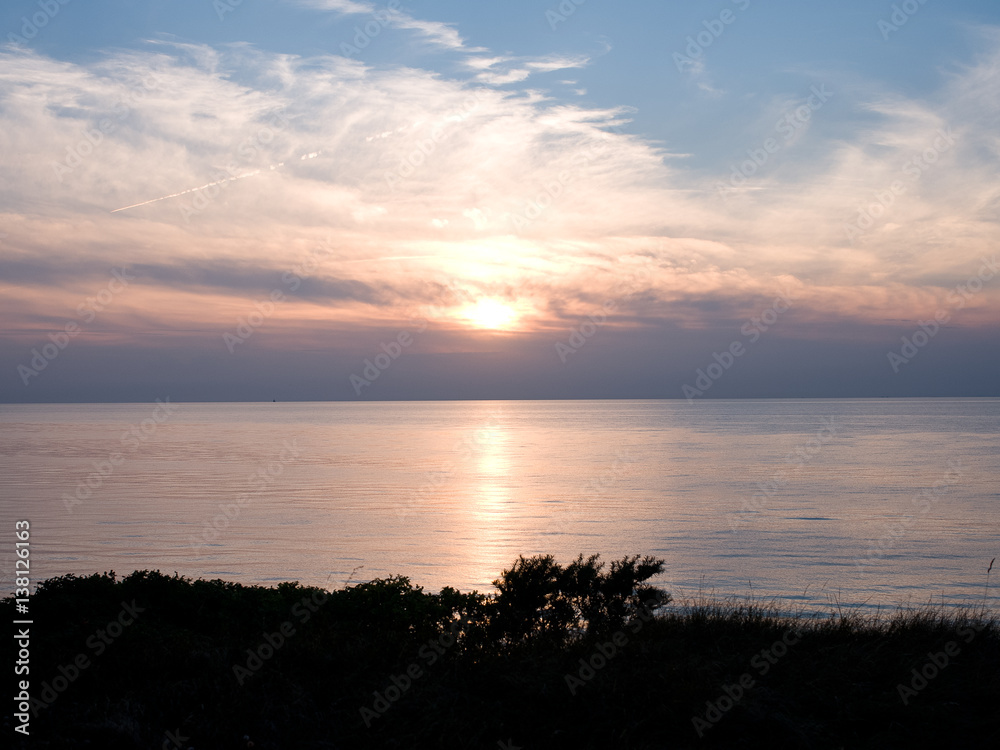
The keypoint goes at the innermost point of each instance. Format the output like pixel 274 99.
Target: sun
pixel 490 313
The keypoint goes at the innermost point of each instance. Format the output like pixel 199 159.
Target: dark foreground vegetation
pixel 575 656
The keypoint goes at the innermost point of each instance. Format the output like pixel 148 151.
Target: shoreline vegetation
pixel 582 655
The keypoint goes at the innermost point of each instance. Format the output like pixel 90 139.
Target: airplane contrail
pixel 184 192
pixel 311 155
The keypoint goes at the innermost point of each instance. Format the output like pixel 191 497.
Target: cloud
pixel 347 7
pixel 696 71
pixel 418 182
pixel 441 34
pixel 513 75
pixel 558 62
pixel 497 71
pixel 438 34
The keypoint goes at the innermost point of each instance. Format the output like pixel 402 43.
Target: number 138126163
pixel 22 565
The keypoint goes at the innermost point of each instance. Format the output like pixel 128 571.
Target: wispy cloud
pixel 347 7
pixel 497 71
pixel 421 180
pixel 442 35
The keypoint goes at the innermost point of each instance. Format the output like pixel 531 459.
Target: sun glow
pixel 490 313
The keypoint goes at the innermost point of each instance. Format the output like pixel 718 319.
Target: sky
pixel 353 200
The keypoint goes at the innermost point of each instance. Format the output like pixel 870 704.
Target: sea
pixel 825 505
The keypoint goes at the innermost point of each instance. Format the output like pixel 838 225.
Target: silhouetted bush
pixel 559 657
pixel 540 600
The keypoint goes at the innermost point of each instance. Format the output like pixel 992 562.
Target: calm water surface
pixel 862 502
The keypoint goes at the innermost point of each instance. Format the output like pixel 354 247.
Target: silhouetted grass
pixel 505 667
